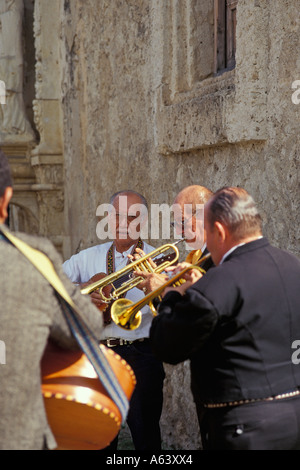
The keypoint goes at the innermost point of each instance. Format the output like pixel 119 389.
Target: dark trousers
pixel 264 425
pixel 147 399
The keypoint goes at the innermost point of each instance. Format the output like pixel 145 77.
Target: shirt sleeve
pixel 71 268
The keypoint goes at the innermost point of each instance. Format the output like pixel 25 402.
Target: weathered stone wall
pixel 142 110
pixel 104 95
pixel 30 119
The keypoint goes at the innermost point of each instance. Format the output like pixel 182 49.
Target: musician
pixel 133 345
pixel 30 314
pixel 237 325
pixel 187 224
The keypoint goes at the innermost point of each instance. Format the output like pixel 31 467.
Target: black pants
pixel 147 399
pixel 264 425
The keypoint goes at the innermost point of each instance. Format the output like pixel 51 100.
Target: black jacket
pixel 236 325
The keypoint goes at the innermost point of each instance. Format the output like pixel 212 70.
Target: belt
pixel 253 400
pixel 112 342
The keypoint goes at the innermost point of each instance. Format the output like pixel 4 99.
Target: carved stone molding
pixel 47 156
pixel 47 105
pixel 36 156
pixel 15 127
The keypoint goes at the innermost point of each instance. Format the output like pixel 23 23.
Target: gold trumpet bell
pixel 122 315
pixel 127 314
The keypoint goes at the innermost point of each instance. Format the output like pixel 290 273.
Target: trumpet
pixel 127 314
pixel 123 280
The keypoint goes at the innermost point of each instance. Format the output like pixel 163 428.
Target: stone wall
pixel 143 110
pixel 31 119
pixel 123 95
pixel 130 121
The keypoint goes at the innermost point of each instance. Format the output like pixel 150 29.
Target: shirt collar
pixel 122 255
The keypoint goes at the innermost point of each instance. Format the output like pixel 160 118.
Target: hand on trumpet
pixel 190 277
pixel 151 280
pixel 139 254
pixel 96 298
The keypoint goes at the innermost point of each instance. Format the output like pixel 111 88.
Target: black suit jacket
pixel 236 325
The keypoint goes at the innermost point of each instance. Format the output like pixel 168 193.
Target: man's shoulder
pixel 92 250
pixel 283 257
pixel 41 244
pixel 35 241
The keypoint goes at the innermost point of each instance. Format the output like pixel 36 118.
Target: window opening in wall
pixel 225 35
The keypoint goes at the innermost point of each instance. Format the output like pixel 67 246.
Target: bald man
pixel 191 201
pixel 188 209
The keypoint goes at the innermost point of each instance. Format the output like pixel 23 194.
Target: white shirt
pixel 82 266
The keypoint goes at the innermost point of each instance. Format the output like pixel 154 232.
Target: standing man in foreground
pixel 30 313
pixel 132 345
pixel 237 325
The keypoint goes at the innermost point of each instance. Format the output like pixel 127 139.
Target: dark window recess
pixel 225 35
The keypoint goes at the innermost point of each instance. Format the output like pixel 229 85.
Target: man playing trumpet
pixel 189 204
pixel 87 267
pixel 238 325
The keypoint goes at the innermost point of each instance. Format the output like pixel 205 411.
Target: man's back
pixel 237 325
pixel 30 312
pixel 255 294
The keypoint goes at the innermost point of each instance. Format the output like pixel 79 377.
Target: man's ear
pixel 221 230
pixel 4 201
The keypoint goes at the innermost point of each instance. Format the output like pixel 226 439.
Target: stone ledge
pixel 46 160
pixel 211 117
pixel 218 110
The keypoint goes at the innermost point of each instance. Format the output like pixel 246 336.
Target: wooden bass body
pixel 80 412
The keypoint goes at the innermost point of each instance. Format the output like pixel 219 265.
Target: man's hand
pixel 192 275
pixel 96 298
pixel 189 278
pixel 140 254
pixel 151 282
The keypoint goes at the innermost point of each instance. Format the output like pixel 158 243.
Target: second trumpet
pixel 124 279
pixel 127 314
